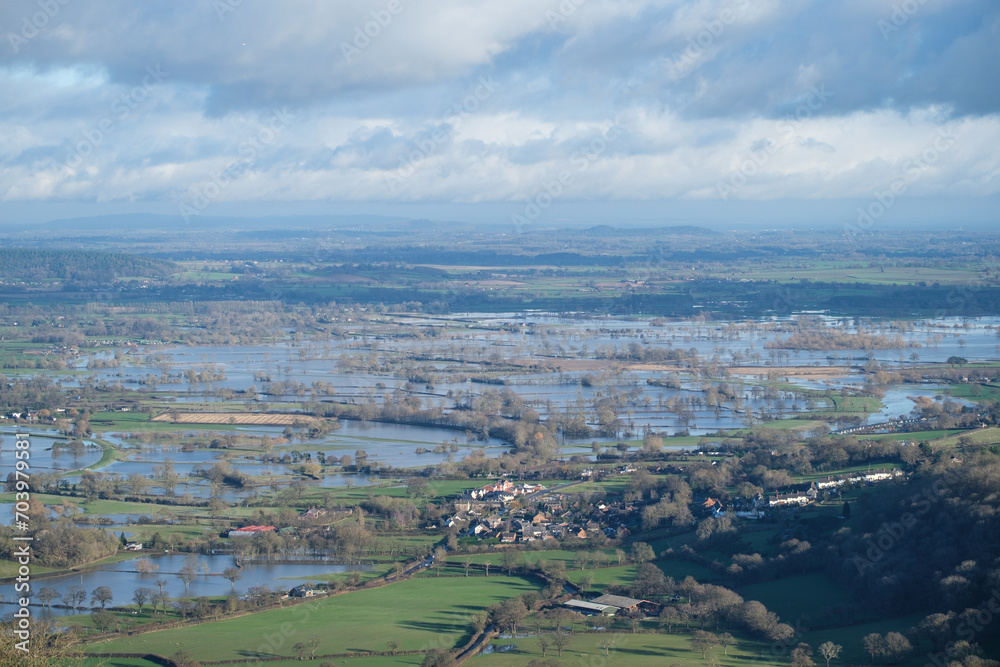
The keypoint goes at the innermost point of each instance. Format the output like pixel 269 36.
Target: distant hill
pixel 678 230
pixel 77 266
pixel 174 223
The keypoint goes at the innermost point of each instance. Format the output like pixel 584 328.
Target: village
pixel 507 513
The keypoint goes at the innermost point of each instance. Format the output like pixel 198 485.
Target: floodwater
pixel 123 579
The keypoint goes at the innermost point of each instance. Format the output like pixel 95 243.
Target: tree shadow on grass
pixel 429 626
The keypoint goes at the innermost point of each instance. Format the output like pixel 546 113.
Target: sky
pixel 529 111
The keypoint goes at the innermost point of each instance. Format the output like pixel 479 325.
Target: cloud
pixel 453 100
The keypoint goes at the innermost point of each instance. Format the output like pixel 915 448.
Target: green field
pixel 420 614
pixel 629 649
pixel 842 272
pixel 8 568
pixel 604 576
pixel 850 638
pixel 796 598
pixel 117 662
pixel 980 438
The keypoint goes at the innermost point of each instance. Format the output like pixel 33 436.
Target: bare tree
pixel 146 566
pixel 141 596
pixel 830 651
pixel 559 640
pixel 702 641
pixel 103 620
pixel 874 645
pixel 75 596
pixel 101 594
pixel 233 575
pixel 668 617
pixel 544 642
pixel 188 571
pixel 606 644
pixel 300 649
pixel 159 598
pixel 47 594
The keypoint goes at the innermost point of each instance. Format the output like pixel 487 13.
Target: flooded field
pixel 622 377
pixel 123 579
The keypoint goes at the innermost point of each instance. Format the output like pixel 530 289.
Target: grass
pixel 109 453
pixel 849 637
pixel 376 572
pixel 980 438
pixel 8 568
pixel 604 576
pixel 974 391
pixel 792 424
pixel 118 662
pixel 795 598
pixel 919 436
pixel 419 614
pixel 629 649
pixel 678 569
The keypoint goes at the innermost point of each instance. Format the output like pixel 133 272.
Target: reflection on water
pixel 123 580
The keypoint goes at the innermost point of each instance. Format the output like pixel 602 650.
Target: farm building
pixel 250 531
pixel 591 608
pixel 628 605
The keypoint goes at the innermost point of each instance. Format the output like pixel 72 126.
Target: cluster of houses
pixel 550 519
pixel 754 508
pixel 503 491
pixel 870 477
pixel 591 473
pixel 744 508
pixel 315 512
pixel 832 483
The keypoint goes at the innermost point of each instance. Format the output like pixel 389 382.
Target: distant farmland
pixel 229 418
